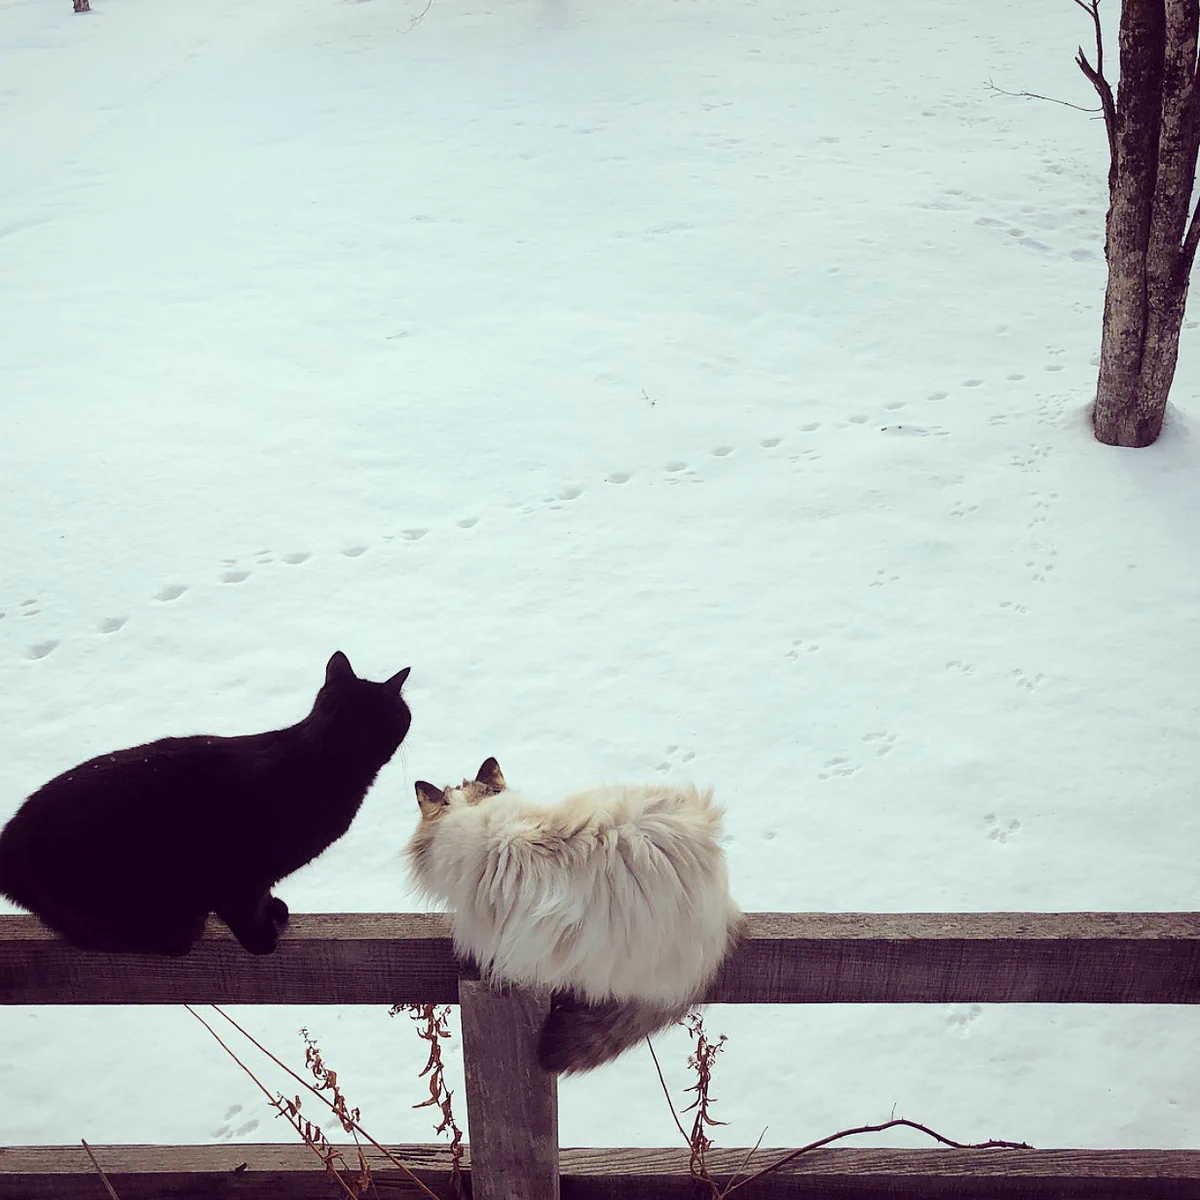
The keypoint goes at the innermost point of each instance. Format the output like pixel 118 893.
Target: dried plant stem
pixel 108 1187
pixel 304 1083
pixel 666 1092
pixel 274 1101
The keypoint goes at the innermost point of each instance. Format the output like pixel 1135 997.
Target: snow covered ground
pixel 682 387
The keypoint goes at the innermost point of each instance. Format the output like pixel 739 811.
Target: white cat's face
pixel 488 781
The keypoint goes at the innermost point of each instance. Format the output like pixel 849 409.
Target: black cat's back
pixel 133 849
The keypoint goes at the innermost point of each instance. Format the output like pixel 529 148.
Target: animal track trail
pixel 959 667
pixel 674 758
pixel 1000 831
pixel 838 768
pixel 882 579
pixel 1012 606
pixel 1027 683
pixel 800 646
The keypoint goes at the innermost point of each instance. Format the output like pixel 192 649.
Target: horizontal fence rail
pixel 786 958
pixel 287 1173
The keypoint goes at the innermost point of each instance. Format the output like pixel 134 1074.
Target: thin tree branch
pixel 999 91
pixel 897 1122
pixel 1190 242
pixel 108 1187
pixel 1095 76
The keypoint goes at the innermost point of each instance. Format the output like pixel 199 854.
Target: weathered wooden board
pixel 787 958
pixel 512 1105
pixel 287 1173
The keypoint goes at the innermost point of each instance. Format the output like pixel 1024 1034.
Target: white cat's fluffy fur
pixel 617 898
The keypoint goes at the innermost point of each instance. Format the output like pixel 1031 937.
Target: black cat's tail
pixel 577 1036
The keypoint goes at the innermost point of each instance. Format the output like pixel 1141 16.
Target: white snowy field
pixel 683 388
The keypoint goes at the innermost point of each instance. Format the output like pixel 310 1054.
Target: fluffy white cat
pixel 616 900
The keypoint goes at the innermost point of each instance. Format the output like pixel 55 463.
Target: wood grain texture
pixel 323 958
pixel 787 958
pixel 287 1173
pixel 512 1104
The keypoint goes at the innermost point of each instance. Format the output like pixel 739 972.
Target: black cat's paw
pixel 276 911
pixel 262 941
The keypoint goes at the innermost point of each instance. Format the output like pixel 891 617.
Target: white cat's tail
pixel 579 1036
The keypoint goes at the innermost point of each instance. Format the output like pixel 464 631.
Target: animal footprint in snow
pixel 294 557
pixel 962 668
pixel 112 624
pixel 354 551
pixel 413 535
pixel 1026 682
pixel 172 591
pixel 1000 831
pixel 837 768
pixel 962 510
pixel 972 383
pixel 618 477
pixel 961 1017
pixel 570 493
pixel 882 578
pixel 882 742
pixel 800 646
pixel 29 608
pixel 721 451
pixel 676 466
pixel 1014 607
pixel 235 576
pixel 467 522
pixel 40 649
pixel 770 443
pixel 674 757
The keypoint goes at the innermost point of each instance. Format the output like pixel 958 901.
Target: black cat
pixel 131 851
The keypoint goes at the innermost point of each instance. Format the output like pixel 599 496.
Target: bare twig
pixel 666 1092
pixel 999 91
pixel 1095 76
pixel 419 17
pixel 895 1123
pixel 731 1183
pixel 303 1083
pixel 108 1187
pixel 285 1108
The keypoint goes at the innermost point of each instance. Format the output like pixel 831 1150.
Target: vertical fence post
pixel 512 1104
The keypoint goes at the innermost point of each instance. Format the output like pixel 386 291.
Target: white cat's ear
pixel 338 667
pixel 397 681
pixel 491 776
pixel 431 799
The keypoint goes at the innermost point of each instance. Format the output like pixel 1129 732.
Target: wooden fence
pixel 512 1107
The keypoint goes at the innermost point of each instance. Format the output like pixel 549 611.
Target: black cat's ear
pixel 397 681
pixel 431 799
pixel 338 667
pixel 489 775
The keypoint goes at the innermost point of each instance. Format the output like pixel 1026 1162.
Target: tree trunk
pixel 1149 255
